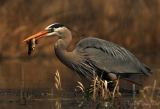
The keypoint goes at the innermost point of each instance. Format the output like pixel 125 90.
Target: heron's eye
pixel 50 30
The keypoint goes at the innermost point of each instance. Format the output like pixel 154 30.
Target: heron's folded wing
pixel 110 57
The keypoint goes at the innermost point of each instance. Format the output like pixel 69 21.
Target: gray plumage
pixel 106 59
pixel 96 55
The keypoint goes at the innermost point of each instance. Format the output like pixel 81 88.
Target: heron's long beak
pixel 36 36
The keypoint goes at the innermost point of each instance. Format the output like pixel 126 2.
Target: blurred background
pixel 133 24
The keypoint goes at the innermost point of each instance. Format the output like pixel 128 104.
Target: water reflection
pixel 58 105
pixel 65 103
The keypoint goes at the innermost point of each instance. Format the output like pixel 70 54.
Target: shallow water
pixel 72 104
pixel 45 100
pixel 48 104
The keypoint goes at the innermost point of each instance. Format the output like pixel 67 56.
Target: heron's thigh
pixel 112 77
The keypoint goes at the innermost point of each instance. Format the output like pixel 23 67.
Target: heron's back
pixel 109 57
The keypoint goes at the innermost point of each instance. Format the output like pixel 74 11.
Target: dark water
pixel 73 104
pixel 45 102
pixel 48 104
pixel 46 99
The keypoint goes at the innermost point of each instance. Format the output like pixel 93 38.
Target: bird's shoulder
pixel 106 47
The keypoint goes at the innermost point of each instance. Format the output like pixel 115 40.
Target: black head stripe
pixel 55 25
pixel 51 28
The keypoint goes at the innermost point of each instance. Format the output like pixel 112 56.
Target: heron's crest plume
pixel 58 25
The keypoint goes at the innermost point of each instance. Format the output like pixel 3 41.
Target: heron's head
pixel 55 29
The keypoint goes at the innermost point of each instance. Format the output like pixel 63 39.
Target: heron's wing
pixel 110 57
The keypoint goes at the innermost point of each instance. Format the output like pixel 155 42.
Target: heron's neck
pixel 63 44
pixel 60 49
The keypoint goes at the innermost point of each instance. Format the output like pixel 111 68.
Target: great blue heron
pixel 93 54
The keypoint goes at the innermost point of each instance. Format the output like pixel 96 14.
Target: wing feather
pixel 111 57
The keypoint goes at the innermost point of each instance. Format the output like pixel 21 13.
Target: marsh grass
pixel 100 94
pixel 149 96
pixel 82 89
pixel 98 90
pixel 150 93
pixel 58 82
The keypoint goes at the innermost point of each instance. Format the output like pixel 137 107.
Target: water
pixel 45 102
pixel 48 104
pixel 72 104
pixel 62 103
pixel 43 99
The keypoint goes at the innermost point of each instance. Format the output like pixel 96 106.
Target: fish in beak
pixel 32 40
pixel 31 45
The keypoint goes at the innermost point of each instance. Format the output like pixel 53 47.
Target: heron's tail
pixel 146 70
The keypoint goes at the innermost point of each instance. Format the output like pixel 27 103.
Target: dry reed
pixel 58 82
